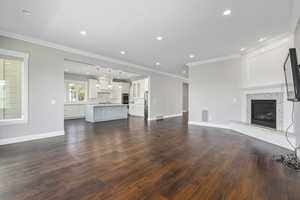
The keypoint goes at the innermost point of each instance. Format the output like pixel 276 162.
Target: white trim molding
pixel 171 116
pixel 267 45
pixel 271 44
pixel 208 124
pixel 165 117
pixel 213 60
pixel 30 137
pixel 84 53
pixel 24 85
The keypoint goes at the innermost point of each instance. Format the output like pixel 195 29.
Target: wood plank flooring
pixel 134 160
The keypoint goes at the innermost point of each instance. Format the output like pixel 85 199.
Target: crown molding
pixel 271 44
pixel 83 53
pixel 267 45
pixel 218 59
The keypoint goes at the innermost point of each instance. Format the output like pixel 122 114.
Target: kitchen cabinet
pixel 125 87
pixel 137 90
pixel 74 111
pixel 136 109
pixel 116 93
pixel 93 91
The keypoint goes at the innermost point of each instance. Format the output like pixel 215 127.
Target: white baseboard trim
pixel 30 137
pixel 170 116
pixel 166 116
pixel 208 124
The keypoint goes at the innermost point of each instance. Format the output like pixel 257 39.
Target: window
pixel 13 87
pixel 75 91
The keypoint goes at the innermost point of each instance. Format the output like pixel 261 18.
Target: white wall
pixel 216 87
pixel 264 66
pixel 46 82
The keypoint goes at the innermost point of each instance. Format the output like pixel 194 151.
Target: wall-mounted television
pixel 292 76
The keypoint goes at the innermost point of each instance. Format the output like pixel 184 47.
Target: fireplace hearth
pixel 263 113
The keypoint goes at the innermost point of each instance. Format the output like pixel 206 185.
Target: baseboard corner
pixel 31 137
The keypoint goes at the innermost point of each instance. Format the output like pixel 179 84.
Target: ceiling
pixel 188 27
pixel 92 70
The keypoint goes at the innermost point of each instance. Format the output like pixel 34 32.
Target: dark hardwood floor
pixel 134 160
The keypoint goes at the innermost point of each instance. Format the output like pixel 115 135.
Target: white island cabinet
pixel 106 112
pixel 74 111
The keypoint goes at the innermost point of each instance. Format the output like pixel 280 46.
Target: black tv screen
pixel 292 76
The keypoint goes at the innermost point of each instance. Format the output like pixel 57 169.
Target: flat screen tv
pixel 292 76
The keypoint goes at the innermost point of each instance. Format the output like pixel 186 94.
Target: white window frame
pixel 24 87
pixel 67 81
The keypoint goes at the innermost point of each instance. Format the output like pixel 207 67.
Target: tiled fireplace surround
pixel 283 115
pixel 278 96
pixel 268 92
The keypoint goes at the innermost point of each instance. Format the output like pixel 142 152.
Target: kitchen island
pixel 105 112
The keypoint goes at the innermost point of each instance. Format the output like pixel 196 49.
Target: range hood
pixel 104 84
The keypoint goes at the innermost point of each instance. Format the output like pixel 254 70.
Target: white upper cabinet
pixel 138 88
pixel 116 90
pixel 93 93
pixel 125 87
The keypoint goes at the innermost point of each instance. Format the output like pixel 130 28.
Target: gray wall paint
pixel 46 82
pixel 185 97
pixel 216 87
pixel 46 77
pixel 166 96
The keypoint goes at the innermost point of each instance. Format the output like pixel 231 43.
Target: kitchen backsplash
pixel 102 98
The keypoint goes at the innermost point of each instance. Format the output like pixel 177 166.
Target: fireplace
pixel 263 113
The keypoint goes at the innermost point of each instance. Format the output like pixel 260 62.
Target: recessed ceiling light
pixel 122 52
pixel 262 39
pixel 83 33
pixel 26 12
pixel 157 64
pixel 159 38
pixel 227 12
pixel 192 56
pixel 243 49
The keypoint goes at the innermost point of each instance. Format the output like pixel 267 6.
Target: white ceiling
pixel 188 27
pixel 92 70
